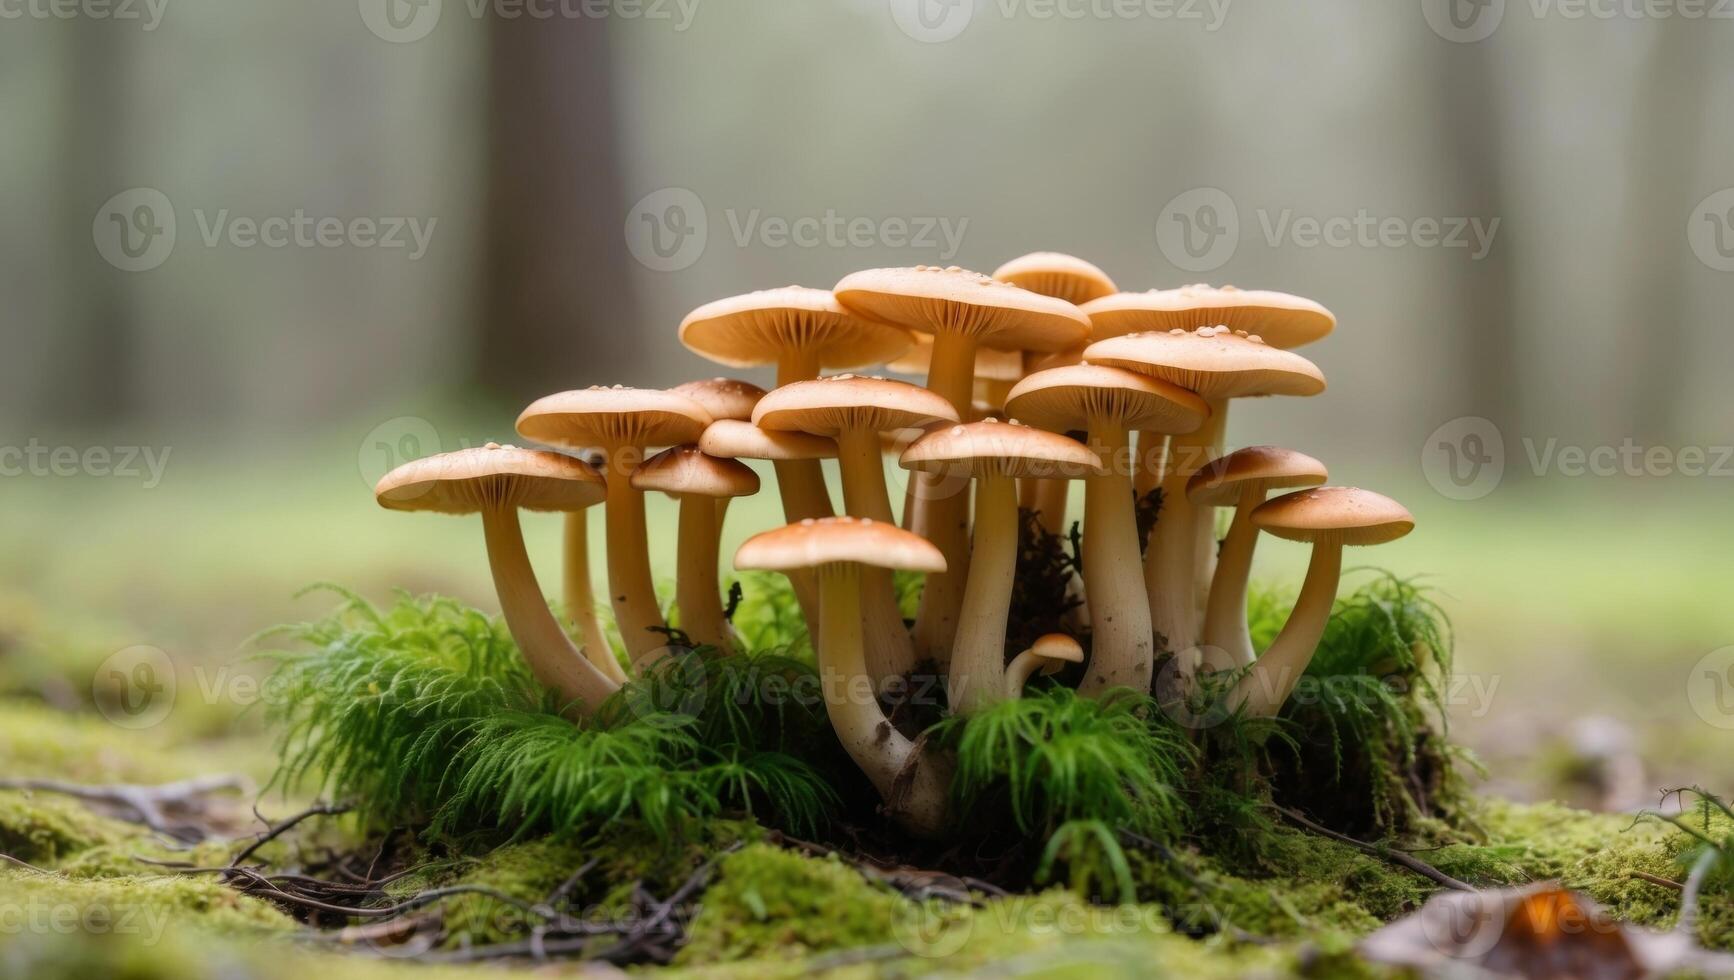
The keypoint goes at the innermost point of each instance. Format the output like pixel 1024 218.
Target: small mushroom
pixel 699 482
pixel 913 783
pixel 802 488
pixel 1049 654
pixel 1077 282
pixel 723 398
pixel 497 481
pixel 996 454
pixel 1107 402
pixel 1284 320
pixel 1218 365
pixel 1241 480
pixel 1329 518
pixel 963 311
pixel 621 423
pixel 854 410
pixel 800 330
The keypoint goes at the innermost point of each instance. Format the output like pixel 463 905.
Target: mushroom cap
pixel 1346 514
pixel 835 540
pixel 734 439
pixel 990 364
pixel 1057 649
pixel 1058 275
pixel 1282 319
pixel 471 480
pixel 605 418
pixel 929 299
pixel 829 406
pixel 995 448
pixel 1220 482
pixel 757 328
pixel 685 470
pixel 723 398
pixel 1212 361
pixel 1066 398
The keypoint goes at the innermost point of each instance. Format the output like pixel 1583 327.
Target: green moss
pixel 767 901
pixel 44 830
pixel 141 907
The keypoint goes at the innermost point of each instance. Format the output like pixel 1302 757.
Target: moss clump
pixel 45 830
pixel 771 902
pixel 142 908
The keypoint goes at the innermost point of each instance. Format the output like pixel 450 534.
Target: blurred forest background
pixel 586 180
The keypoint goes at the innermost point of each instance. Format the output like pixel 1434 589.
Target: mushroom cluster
pixel 1039 375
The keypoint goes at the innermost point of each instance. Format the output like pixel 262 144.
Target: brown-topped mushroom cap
pixel 723 398
pixel 1212 361
pixel 995 448
pixel 471 480
pixel 1066 398
pixel 758 328
pixel 686 470
pixel 1347 514
pixel 828 406
pixel 1282 319
pixel 930 299
pixel 732 439
pixel 1220 482
pixel 833 540
pixel 1058 275
pixel 607 417
pixel 1058 647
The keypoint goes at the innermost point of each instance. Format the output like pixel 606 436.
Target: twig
pixel 271 834
pixel 1414 864
pixel 1656 880
pixel 145 803
pixel 9 859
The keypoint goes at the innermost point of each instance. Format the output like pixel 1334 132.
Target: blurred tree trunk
pixel 1486 298
pixel 1662 157
pixel 557 308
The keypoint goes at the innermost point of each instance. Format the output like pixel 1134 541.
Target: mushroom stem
pixel 977 677
pixel 1152 452
pixel 1121 651
pixel 801 484
pixel 581 598
pixel 943 511
pixel 913 783
pixel 554 661
pixel 1273 676
pixel 890 652
pixel 1170 561
pixel 630 588
pixel 1227 638
pixel 1051 497
pixel 1019 671
pixel 697 592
